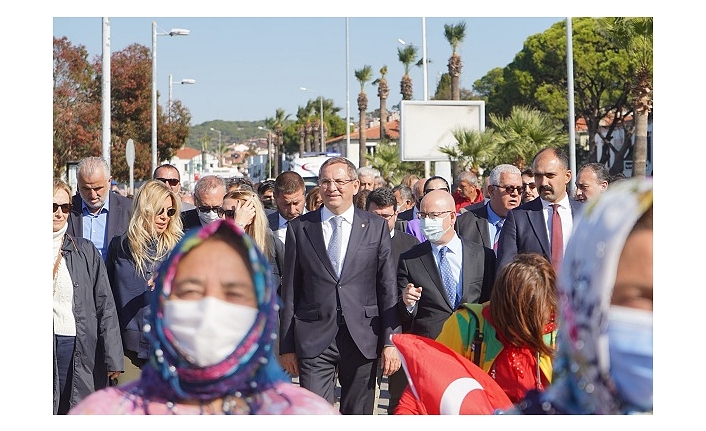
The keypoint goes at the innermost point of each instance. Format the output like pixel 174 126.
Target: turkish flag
pixel 446 383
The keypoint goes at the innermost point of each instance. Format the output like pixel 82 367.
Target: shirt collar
pixel 347 215
pixel 493 218
pixel 454 245
pixel 563 203
pixel 87 211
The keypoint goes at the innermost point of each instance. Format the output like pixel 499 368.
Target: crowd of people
pixel 262 298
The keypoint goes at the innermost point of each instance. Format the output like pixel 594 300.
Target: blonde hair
pixel 146 204
pixel 259 229
pixel 60 184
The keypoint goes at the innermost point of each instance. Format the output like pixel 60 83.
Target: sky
pixel 247 68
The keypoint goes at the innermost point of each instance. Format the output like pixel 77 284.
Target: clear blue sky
pixel 246 68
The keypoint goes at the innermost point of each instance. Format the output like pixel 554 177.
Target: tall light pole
pixel 321 112
pixel 172 32
pixel 269 150
pixel 219 146
pixel 183 81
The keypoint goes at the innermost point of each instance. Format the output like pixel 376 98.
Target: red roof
pixel 187 153
pixel 373 133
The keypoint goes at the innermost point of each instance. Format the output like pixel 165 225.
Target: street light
pixel 219 146
pixel 269 149
pixel 183 81
pixel 321 111
pixel 172 32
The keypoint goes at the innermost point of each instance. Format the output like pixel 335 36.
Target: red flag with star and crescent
pixel 444 382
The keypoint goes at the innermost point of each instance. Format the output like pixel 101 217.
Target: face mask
pixel 208 330
pixel 630 347
pixel 433 229
pixel 208 217
pixel 269 204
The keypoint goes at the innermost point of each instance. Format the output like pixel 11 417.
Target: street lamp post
pixel 219 147
pixel 269 150
pixel 172 32
pixel 183 81
pixel 321 120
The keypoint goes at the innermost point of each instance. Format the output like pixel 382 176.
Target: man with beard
pixel 542 225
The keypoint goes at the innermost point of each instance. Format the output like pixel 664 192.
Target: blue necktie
pixel 447 276
pixel 334 246
pixel 498 228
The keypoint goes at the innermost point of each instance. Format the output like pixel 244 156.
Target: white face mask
pixel 631 352
pixel 433 229
pixel 208 330
pixel 208 217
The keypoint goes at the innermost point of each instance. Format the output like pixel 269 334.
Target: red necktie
pixel 557 238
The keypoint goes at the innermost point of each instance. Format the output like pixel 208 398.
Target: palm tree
pixel 474 149
pixel 276 124
pixel 363 75
pixel 302 121
pixel 407 56
pixel 634 35
pixel 522 134
pixel 455 35
pixel 383 92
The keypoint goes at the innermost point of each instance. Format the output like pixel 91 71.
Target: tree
pixel 383 92
pixel 363 75
pixel 276 124
pixel 536 77
pixel 407 56
pixel 76 106
pixel 634 36
pixel 473 151
pixel 387 161
pixel 455 34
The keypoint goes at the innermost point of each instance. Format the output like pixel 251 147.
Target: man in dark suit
pixel 97 214
pixel 208 198
pixel 528 227
pixel 417 195
pixel 339 295
pixel 482 222
pixel 426 298
pixel 382 201
pixel 290 197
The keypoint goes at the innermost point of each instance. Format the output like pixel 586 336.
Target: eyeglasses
pixel 205 209
pixel 327 184
pixel 509 189
pixel 65 208
pixel 432 215
pixel 532 186
pixel 172 181
pixel 170 212
pixel 440 188
pixel 385 216
pixel 228 213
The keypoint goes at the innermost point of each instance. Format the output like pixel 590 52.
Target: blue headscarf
pixel 249 369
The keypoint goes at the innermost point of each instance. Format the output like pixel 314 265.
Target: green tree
pixel 536 77
pixel 455 34
pixel 473 151
pixel 387 160
pixel 407 56
pixel 383 92
pixel 277 124
pixel 363 75
pixel 634 37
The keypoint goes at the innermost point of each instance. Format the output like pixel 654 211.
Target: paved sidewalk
pixel 383 401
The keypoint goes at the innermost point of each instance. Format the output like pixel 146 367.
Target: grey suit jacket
pixel 472 225
pixel 119 214
pixel 311 289
pixel 525 231
pixel 418 266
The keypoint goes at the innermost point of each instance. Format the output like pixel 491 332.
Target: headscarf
pixel 250 368
pixel 582 382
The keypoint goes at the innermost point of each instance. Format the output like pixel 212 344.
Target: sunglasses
pixel 170 212
pixel 228 213
pixel 205 209
pixel 65 208
pixel 509 189
pixel 172 181
pixel 532 186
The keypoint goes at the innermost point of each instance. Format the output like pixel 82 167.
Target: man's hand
pixel 390 361
pixel 290 363
pixel 411 294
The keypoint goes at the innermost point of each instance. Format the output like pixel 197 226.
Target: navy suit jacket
pixel 472 225
pixel 119 214
pixel 311 289
pixel 525 231
pixel 418 266
pixel 273 219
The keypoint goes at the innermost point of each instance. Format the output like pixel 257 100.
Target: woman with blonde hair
pixel 87 348
pixel 133 257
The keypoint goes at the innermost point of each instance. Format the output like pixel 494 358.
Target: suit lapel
pixel 358 230
pixel 315 234
pixel 429 263
pixel 539 226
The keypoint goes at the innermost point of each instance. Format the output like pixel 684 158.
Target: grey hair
pixel 367 171
pixel 494 177
pixel 601 171
pixel 468 177
pixel 405 192
pixel 89 165
pixel 209 182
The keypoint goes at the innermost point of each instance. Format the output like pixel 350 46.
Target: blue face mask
pixel 433 229
pixel 630 347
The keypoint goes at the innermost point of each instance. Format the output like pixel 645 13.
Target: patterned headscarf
pixel 250 368
pixel 582 382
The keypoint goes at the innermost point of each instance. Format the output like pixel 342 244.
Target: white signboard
pixel 426 126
